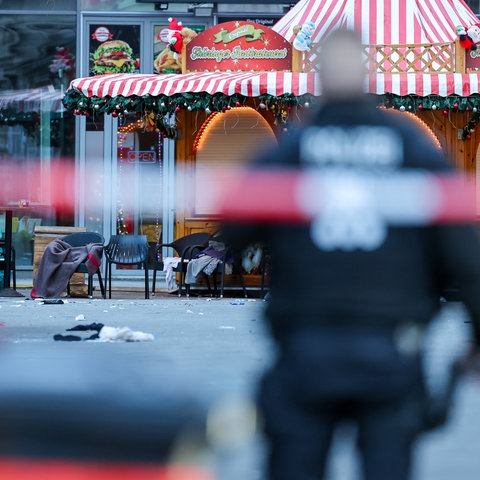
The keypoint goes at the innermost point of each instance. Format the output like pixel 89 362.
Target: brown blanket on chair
pixel 58 264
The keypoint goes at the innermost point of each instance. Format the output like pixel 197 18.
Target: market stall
pixel 25 107
pixel 238 80
pixel 418 63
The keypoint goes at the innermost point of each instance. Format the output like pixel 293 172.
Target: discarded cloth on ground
pixel 104 334
pixel 58 264
pixel 110 334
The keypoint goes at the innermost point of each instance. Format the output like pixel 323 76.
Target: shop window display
pixel 36 133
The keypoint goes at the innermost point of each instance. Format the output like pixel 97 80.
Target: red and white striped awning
pixel 381 22
pixel 32 100
pixel 424 84
pixel 272 83
pixel 243 83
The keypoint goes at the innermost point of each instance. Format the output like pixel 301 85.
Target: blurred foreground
pixel 183 398
pixel 272 195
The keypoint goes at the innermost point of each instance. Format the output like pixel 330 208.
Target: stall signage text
pixel 239 46
pixel 473 58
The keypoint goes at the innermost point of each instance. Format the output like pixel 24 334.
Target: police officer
pixel 350 293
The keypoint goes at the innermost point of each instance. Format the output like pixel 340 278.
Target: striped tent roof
pixel 243 83
pixel 32 100
pixel 381 22
pixel 267 83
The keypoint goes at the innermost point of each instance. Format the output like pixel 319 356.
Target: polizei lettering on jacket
pixel 360 146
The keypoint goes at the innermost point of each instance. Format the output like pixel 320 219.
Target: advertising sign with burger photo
pixel 114 49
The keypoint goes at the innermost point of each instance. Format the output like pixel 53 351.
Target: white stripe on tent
pixel 431 23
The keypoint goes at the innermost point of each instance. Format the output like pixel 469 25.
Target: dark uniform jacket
pixel 399 281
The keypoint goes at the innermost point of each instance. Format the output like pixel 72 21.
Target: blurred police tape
pixel 347 208
pixel 398 198
pixel 395 198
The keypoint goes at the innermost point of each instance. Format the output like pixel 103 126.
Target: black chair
pixel 230 256
pixel 79 240
pixel 183 247
pixel 265 269
pixel 3 263
pixel 126 250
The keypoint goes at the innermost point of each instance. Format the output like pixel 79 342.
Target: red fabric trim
pixel 12 469
pixel 93 259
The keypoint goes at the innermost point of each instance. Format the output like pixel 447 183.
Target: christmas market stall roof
pixel 23 107
pixel 166 93
pixel 409 44
pixel 381 22
pixel 199 91
pixel 32 100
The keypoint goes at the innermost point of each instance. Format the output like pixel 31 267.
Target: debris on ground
pixel 104 334
pixel 124 333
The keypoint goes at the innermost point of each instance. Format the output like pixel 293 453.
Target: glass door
pixel 139 196
pixel 127 169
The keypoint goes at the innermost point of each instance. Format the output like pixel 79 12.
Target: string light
pixel 203 128
pixel 157 217
pixel 121 227
pixel 124 129
pixel 420 123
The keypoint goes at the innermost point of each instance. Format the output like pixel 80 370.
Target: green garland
pixel 414 103
pixel 28 120
pixel 163 107
pixel 452 103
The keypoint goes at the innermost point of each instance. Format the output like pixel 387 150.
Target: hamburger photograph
pixel 113 56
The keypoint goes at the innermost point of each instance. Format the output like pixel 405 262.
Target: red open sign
pixel 142 156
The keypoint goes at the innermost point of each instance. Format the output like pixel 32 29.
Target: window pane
pixel 116 6
pixel 45 5
pixel 36 133
pixel 28 50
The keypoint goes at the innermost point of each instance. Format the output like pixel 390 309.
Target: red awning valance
pixel 441 84
pixel 270 83
pixel 244 83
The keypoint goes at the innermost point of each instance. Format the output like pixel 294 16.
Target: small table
pixel 6 291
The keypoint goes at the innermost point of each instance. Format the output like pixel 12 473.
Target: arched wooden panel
pixel 225 142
